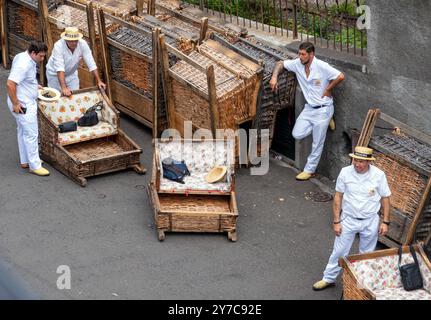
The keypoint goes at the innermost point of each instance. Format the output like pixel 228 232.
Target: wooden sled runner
pixel 89 151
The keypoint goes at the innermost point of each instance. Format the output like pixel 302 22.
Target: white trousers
pixel 368 230
pixel 28 134
pixel 315 122
pixel 72 82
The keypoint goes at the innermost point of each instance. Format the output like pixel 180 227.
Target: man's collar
pixel 31 59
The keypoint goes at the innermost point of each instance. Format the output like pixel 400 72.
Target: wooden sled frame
pixel 61 158
pixel 192 211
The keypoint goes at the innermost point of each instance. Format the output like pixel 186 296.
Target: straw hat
pixel 363 153
pixel 49 94
pixel 71 34
pixel 216 174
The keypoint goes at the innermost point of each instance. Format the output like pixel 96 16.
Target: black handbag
pixel 90 117
pixel 411 277
pixel 67 126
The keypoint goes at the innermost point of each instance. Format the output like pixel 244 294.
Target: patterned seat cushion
pixel 401 294
pixel 100 130
pixel 200 158
pixel 382 273
pixel 72 108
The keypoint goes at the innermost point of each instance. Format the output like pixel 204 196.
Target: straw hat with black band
pixel 71 34
pixel 363 153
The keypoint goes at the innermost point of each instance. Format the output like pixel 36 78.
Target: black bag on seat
pixel 67 126
pixel 411 277
pixel 90 116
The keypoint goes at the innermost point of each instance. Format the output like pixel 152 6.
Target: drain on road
pixel 319 196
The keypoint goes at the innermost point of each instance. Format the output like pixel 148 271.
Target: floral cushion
pixel 401 294
pixel 200 158
pixel 102 129
pixel 382 273
pixel 72 108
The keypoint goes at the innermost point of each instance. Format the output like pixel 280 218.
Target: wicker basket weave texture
pixel 406 185
pixel 23 21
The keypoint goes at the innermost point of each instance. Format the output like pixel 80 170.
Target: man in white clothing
pixel 62 67
pixel 361 191
pixel 316 79
pixel 22 89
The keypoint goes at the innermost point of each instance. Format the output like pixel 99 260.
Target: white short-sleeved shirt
pixel 362 192
pixel 313 86
pixel 62 59
pixel 23 73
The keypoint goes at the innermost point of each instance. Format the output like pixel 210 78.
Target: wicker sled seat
pixel 89 151
pixel 375 276
pixel 195 206
pixel 200 158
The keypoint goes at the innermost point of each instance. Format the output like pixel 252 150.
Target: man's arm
pixel 336 212
pixel 386 209
pixel 273 83
pixel 332 85
pixel 99 82
pixel 65 91
pixel 11 91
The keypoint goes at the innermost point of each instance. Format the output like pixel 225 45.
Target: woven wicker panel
pixel 231 94
pixel 23 21
pixel 270 102
pixel 351 289
pixel 407 185
pixel 94 149
pixel 191 106
pixel 130 70
pixel 119 8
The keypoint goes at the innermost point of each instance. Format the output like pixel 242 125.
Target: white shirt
pixel 313 86
pixel 23 73
pixel 362 192
pixel 62 59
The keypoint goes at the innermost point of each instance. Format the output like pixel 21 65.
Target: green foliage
pixel 267 11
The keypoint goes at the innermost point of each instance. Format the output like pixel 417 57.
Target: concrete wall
pixel 398 77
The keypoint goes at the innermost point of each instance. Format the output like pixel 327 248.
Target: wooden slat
pixel 133 101
pixel 92 30
pixel 164 58
pixel 104 53
pixel 182 56
pixel 233 55
pixel 139 7
pixel 419 213
pixel 215 119
pixel 203 30
pixel 127 24
pixel 4 34
pixel 155 65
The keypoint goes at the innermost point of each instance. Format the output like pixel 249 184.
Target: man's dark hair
pixel 307 46
pixel 37 46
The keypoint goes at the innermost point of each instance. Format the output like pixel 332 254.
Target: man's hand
pixel 383 229
pixel 66 92
pixel 337 229
pixel 17 108
pixel 273 83
pixel 40 87
pixel 101 85
pixel 327 93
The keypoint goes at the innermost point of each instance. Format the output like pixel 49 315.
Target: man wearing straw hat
pixel 22 89
pixel 62 67
pixel 316 79
pixel 361 192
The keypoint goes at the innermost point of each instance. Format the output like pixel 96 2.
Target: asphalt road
pixel 105 234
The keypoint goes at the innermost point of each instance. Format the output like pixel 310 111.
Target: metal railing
pixel 327 23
